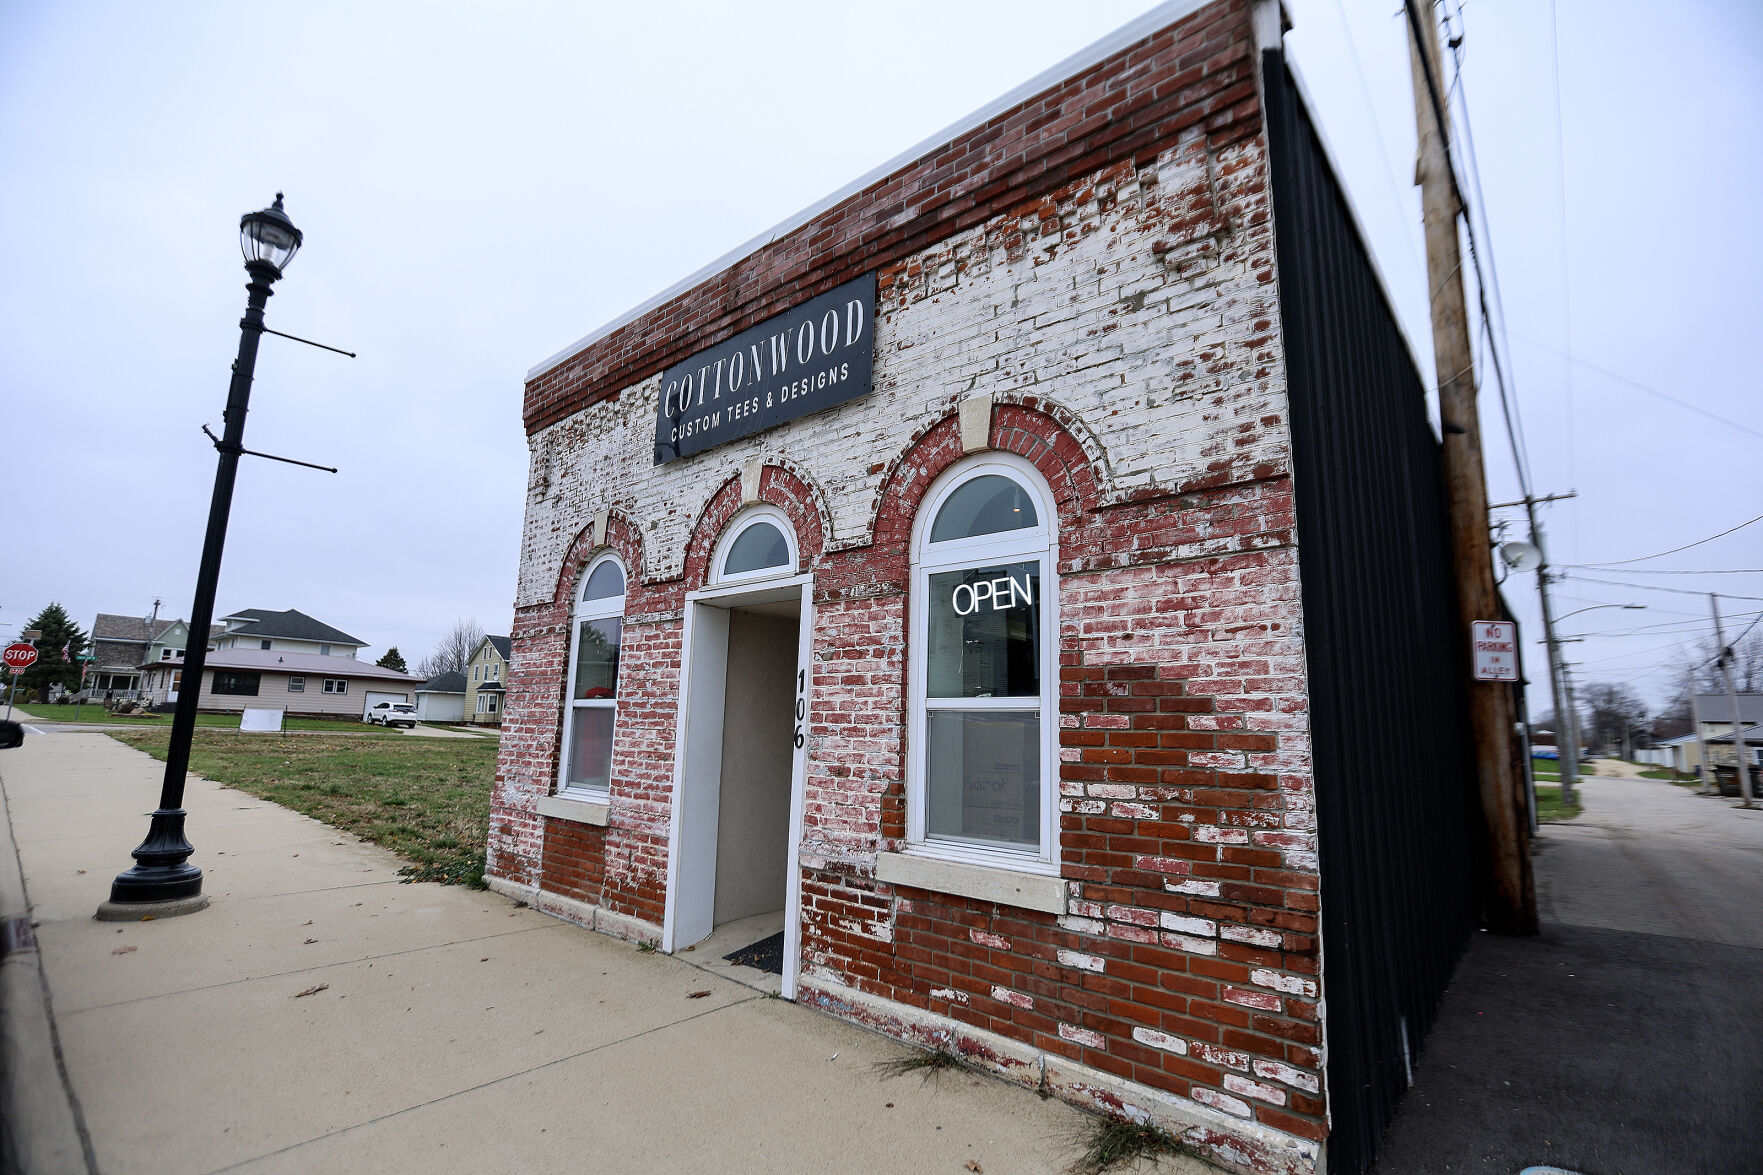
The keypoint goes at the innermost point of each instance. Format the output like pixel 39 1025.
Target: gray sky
pixel 482 184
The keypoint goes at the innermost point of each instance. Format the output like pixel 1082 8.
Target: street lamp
pixel 162 882
pixel 1595 607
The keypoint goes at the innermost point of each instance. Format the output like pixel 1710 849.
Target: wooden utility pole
pixel 1743 778
pixel 1511 890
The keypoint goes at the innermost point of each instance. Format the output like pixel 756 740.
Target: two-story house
pixel 284 632
pixel 129 651
pixel 286 660
pixel 119 645
pixel 486 679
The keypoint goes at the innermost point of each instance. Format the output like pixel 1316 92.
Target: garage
pixel 375 697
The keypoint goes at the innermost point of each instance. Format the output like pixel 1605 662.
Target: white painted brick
pixel 1188 925
pixel 1160 1040
pixel 1291 984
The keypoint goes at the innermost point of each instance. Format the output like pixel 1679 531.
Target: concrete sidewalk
pixel 322 1016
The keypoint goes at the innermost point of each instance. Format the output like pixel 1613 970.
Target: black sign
pixel 801 361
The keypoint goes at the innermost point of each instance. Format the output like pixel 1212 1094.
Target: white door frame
pixel 698 745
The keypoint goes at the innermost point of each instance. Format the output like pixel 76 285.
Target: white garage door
pixel 374 698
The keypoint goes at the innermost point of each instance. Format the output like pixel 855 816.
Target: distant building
pixel 486 680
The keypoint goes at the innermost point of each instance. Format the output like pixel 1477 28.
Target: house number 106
pixel 801 702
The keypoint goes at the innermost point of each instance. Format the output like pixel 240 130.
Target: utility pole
pixel 1738 746
pixel 1511 892
pixel 1566 746
pixel 1706 769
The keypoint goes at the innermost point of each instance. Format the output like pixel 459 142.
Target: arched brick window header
pixel 779 486
pixel 621 536
pixel 1026 431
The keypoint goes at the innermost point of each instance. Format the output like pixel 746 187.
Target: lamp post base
pixel 162 876
pixel 115 911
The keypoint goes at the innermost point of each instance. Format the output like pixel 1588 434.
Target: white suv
pixel 393 714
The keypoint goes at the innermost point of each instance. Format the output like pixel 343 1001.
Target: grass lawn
pixel 1674 776
pixel 426 799
pixel 1550 807
pixel 97 714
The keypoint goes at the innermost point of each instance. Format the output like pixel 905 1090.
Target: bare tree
pixel 454 651
pixel 1614 710
pixel 1698 674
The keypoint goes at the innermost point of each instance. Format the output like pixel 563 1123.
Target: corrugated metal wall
pixel 1397 815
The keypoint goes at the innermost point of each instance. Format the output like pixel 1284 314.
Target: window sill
pixel 579 811
pixel 985 883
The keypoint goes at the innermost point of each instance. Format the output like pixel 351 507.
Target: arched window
pixel 761 544
pixel 984 601
pixel 591 710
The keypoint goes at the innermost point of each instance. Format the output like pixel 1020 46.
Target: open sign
pixel 995 595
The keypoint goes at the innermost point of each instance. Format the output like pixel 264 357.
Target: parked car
pixel 11 734
pixel 392 714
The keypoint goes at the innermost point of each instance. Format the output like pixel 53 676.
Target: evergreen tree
pixel 393 661
pixel 60 634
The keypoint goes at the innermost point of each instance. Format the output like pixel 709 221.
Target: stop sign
pixel 19 656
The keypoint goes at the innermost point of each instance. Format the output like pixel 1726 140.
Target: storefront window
pixel 592 707
pixel 983 668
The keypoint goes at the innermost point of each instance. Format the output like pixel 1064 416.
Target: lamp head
pixel 269 237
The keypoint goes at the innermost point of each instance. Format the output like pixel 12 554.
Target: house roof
pixel 443 683
pixel 292 624
pixel 308 664
pixel 1718 708
pixel 501 644
pixel 110 627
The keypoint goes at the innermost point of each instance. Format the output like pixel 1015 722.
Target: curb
pixel 41 1132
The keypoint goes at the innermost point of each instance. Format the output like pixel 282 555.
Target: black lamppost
pixel 163 882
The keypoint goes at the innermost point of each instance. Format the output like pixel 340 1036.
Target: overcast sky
pixel 482 184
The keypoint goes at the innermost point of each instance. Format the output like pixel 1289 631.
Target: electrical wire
pixel 1415 253
pixel 1443 123
pixel 1638 385
pixel 1674 550
pixel 1515 419
pixel 1669 570
pixel 1648 587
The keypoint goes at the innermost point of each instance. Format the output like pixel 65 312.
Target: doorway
pixel 733 888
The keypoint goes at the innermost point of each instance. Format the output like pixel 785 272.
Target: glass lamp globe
pixel 269 236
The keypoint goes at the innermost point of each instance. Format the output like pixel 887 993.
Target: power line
pixel 1647 587
pixel 1443 122
pixel 1515 419
pixel 1635 383
pixel 1389 164
pixel 1674 550
pixel 1604 567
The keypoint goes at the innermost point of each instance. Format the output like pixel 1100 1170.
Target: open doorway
pixel 732 897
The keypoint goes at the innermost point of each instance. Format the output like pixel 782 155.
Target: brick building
pixel 1011 580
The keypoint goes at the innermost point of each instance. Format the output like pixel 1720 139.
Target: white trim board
pixel 1127 34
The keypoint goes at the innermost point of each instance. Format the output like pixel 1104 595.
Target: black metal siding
pixel 1397 816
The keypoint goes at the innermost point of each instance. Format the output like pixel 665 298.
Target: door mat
pixel 765 955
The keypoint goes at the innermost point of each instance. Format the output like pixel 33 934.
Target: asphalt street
pixel 1625 1039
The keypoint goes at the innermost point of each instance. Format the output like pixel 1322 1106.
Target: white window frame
pixel 336 685
pixel 592 610
pixel 1016 546
pixel 297 683
pixel 743 522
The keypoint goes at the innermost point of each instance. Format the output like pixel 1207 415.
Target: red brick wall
pixel 1188 959
pixel 1197 76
